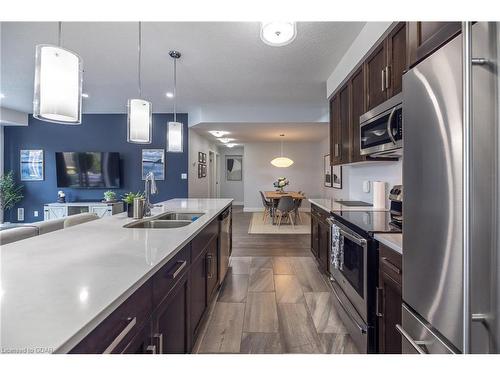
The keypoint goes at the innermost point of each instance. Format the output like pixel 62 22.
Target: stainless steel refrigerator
pixel 450 175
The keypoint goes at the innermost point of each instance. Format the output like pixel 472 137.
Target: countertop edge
pixel 387 242
pixel 67 346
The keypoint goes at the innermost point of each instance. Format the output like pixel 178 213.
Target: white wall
pixel 259 174
pixel 366 39
pixel 231 189
pixel 353 176
pixel 198 187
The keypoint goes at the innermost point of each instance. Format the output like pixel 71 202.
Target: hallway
pixel 274 299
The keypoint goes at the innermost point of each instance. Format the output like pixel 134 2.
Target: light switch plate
pixel 184 176
pixel 35 213
pixel 20 214
pixel 366 186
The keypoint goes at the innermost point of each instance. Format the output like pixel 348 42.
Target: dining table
pixel 277 195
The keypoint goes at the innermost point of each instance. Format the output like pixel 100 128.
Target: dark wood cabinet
pixel 170 322
pixel 344 125
pixel 358 107
pixel 389 300
pixel 335 132
pixel 141 343
pixel 198 289
pixel 423 38
pixel 397 65
pixel 211 264
pixel 320 230
pixel 375 70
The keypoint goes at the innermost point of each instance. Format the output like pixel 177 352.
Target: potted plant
pixel 10 193
pixel 110 196
pixel 128 198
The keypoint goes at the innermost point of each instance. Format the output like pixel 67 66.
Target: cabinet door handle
pixel 179 266
pixel 209 266
pixel 389 265
pixel 159 342
pixel 151 349
pixel 387 76
pixel 383 80
pixel 131 323
pixel 378 302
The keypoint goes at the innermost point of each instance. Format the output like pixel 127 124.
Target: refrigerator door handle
pixel 417 345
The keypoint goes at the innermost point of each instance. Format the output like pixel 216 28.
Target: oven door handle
pixel 389 125
pixel 357 240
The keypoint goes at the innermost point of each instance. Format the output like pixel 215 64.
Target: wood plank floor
pixel 273 300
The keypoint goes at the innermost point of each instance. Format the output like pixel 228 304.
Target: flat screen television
pixel 87 170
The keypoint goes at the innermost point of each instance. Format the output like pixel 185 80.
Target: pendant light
pixel 139 111
pixel 282 162
pixel 174 128
pixel 58 84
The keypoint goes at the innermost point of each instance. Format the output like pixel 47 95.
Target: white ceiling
pixel 223 63
pixel 266 132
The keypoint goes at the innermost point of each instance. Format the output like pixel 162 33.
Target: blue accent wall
pixel 98 132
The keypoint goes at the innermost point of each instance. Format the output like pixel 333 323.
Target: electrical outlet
pixel 35 213
pixel 366 186
pixel 184 176
pixel 20 214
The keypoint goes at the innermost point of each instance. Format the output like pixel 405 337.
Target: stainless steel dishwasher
pixel 225 242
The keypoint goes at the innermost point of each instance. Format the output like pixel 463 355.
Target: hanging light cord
pixel 175 90
pixel 59 35
pixel 282 135
pixel 139 45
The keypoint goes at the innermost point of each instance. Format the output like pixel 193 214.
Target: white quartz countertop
pixel 57 287
pixel 392 240
pixel 332 205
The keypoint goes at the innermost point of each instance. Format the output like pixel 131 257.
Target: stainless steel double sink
pixel 167 220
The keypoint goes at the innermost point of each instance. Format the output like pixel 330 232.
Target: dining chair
pixel 268 206
pixel 298 204
pixel 286 206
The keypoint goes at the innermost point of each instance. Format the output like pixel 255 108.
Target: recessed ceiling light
pixel 169 95
pixel 85 95
pixel 278 34
pixel 231 145
pixel 2 96
pixel 226 140
pixel 218 133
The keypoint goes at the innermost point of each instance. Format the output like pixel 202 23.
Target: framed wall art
pixel 234 167
pixel 31 165
pixel 153 160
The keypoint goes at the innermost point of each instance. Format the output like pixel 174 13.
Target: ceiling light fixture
pixel 58 84
pixel 218 133
pixel 175 129
pixel 231 145
pixel 282 162
pixel 278 34
pixel 139 111
pixel 85 95
pixel 2 96
pixel 226 140
pixel 169 95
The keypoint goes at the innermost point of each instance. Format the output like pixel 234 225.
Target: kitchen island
pixel 58 288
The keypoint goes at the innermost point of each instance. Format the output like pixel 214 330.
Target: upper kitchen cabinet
pixel 345 124
pixel 358 107
pixel 375 70
pixel 423 38
pixel 335 133
pixel 397 65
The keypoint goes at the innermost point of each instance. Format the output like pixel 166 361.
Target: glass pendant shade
pixel 140 121
pixel 174 137
pixel 282 162
pixel 58 85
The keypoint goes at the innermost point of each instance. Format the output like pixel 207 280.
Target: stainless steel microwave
pixel 381 129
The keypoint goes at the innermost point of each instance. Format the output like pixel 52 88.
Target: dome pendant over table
pixel 139 111
pixel 175 139
pixel 282 162
pixel 58 84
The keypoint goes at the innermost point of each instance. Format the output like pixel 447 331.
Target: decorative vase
pixel 130 209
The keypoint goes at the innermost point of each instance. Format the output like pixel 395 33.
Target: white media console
pixel 61 210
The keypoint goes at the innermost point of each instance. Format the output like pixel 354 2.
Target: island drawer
pixel 165 279
pixel 116 331
pixel 202 240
